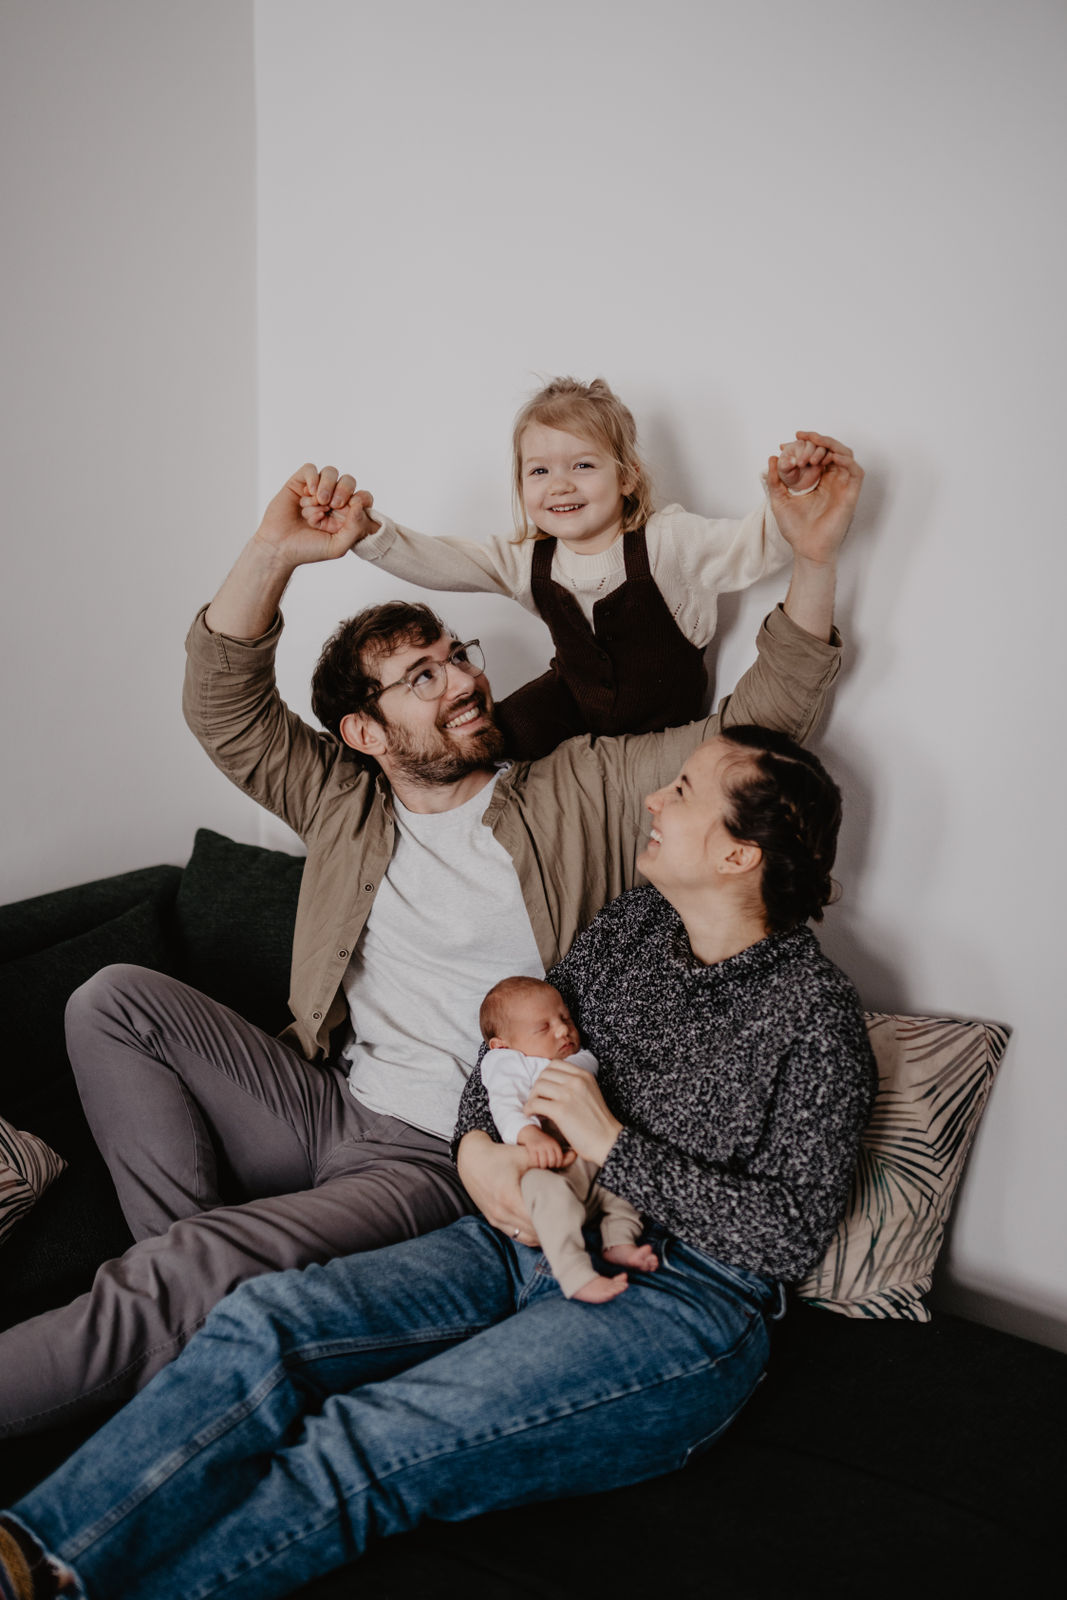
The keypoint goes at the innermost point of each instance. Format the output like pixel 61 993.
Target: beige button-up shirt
pixel 571 821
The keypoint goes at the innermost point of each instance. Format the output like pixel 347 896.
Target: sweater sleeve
pixel 500 566
pixel 474 1115
pixel 695 559
pixel 777 1213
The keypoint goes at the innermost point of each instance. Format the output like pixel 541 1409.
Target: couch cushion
pixel 36 1087
pixel 934 1077
pixel 27 1167
pixel 27 926
pixel 234 913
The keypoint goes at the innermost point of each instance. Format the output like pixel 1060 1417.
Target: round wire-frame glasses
pixel 427 679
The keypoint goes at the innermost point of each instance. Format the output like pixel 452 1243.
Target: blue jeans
pixel 441 1377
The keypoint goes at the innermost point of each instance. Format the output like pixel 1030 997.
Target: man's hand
pixel 490 1174
pixel 543 1150
pixel 317 516
pixel 570 1097
pixel 815 524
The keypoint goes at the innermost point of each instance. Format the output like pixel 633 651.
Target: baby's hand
pixel 543 1150
pixel 800 464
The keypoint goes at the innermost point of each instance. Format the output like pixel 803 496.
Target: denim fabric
pixel 441 1377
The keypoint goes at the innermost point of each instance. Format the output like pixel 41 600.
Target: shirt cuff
pixel 780 625
pixel 221 653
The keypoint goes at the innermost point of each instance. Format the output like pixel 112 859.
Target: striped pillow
pixel 934 1077
pixel 27 1167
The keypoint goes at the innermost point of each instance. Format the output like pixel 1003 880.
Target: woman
pixel 448 1375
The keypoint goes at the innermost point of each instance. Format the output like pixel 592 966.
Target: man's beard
pixel 435 759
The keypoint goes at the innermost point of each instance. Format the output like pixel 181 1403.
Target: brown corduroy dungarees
pixel 633 671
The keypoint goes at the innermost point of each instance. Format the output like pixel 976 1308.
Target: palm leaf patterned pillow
pixel 934 1077
pixel 27 1167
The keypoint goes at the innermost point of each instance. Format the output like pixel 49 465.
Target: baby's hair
pixel 495 1005
pixel 593 412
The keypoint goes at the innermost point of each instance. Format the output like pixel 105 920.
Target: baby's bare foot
pixel 598 1289
pixel 640 1256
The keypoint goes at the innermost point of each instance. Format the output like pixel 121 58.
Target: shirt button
pixel 342 955
pixel 369 887
pixel 316 1016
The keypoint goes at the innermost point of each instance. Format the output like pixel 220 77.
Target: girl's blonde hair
pixel 594 412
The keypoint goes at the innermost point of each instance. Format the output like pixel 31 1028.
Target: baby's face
pixel 538 1024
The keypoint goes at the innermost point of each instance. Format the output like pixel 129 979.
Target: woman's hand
pixel 570 1097
pixel 490 1174
pixel 815 524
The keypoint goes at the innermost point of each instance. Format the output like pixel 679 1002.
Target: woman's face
pixel 689 838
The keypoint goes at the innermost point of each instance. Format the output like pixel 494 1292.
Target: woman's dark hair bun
pixel 787 803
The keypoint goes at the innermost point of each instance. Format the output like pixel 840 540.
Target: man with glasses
pixel 434 868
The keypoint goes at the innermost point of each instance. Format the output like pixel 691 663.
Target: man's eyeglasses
pixel 427 680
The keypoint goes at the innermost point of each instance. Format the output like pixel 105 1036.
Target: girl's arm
pixel 696 559
pixel 500 566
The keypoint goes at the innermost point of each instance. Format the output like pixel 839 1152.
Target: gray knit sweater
pixel 743 1087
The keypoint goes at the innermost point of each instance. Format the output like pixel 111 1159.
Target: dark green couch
pixel 878 1458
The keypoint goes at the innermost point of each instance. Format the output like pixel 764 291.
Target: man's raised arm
pixel 317 516
pixel 230 697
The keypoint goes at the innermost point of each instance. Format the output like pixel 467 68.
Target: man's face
pixel 435 741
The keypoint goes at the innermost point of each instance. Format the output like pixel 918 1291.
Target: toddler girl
pixel 628 593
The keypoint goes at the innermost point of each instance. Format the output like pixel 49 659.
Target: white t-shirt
pixel 448 922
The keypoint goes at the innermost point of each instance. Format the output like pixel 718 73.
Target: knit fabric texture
pixel 743 1086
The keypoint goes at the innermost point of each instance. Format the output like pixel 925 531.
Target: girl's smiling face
pixel 571 488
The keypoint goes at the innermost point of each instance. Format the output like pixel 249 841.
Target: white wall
pixel 127 416
pixel 750 218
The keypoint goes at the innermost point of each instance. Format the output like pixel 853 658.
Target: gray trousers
pixel 192 1106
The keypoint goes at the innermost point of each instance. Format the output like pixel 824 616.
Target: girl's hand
pixel 317 516
pixel 800 463
pixel 571 1098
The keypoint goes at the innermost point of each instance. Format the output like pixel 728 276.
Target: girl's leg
pixel 539 716
pixel 560 1399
